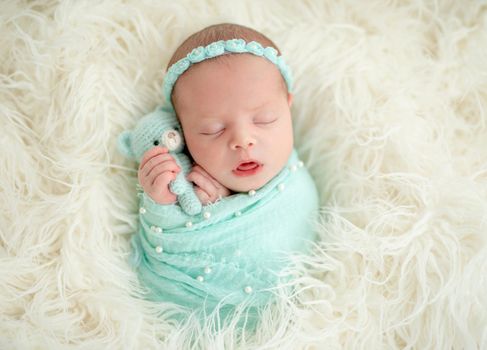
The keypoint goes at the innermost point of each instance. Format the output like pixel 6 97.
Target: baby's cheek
pixel 214 163
pixel 194 147
pixel 203 153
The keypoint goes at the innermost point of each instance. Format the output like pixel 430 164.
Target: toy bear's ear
pixel 125 144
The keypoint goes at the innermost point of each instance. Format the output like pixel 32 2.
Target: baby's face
pixel 236 120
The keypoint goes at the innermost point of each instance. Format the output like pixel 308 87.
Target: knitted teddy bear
pixel 161 128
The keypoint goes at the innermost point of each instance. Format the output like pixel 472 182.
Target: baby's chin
pixel 249 183
pixel 246 188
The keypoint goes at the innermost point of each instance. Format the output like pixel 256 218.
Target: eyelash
pixel 212 133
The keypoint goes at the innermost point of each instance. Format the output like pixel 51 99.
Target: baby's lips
pixel 247 164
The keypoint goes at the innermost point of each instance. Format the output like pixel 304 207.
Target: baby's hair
pixel 216 32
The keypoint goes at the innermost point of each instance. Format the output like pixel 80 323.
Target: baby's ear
pixel 290 98
pixel 125 144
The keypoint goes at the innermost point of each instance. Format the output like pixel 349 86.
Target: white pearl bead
pixel 156 229
pixel 206 215
pixel 207 270
pixel 159 249
pixel 238 213
pixel 142 210
pixel 281 187
pixel 300 164
pixel 189 224
pixel 200 278
pixel 248 289
pixel 252 193
pixel 293 168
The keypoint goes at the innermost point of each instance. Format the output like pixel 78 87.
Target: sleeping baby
pixel 225 197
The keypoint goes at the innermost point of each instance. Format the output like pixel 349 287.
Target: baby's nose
pixel 242 141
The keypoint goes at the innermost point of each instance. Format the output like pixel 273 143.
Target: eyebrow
pixel 259 106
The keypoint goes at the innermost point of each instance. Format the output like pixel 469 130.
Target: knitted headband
pixel 219 48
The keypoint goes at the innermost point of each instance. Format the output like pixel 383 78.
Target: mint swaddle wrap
pixel 233 250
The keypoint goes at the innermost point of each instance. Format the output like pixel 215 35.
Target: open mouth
pixel 247 168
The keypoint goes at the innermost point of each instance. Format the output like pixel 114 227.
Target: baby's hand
pixel 207 189
pixel 157 169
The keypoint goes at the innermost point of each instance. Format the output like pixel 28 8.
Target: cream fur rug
pixel 390 114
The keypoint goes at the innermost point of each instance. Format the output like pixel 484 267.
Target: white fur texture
pixel 389 114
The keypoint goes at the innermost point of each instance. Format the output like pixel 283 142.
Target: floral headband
pixel 219 48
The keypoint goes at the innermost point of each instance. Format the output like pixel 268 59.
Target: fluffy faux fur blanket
pixel 390 116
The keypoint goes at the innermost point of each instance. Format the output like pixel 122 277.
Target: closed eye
pixel 212 133
pixel 265 122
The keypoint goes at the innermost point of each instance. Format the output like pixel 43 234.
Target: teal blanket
pixel 232 252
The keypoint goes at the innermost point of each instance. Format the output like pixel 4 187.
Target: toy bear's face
pixel 159 128
pixel 171 139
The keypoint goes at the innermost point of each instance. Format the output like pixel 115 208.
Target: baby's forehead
pixel 231 62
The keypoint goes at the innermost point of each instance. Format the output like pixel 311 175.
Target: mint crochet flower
pixel 197 55
pixel 215 49
pixel 255 48
pixel 235 45
pixel 180 66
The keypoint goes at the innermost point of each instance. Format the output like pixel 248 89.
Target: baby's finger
pixel 153 152
pixel 162 169
pixel 144 172
pixel 202 182
pixel 203 172
pixel 202 196
pixel 160 181
pixel 155 161
pixel 168 165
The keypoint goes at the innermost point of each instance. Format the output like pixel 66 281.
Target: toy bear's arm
pixel 180 184
pixel 184 189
